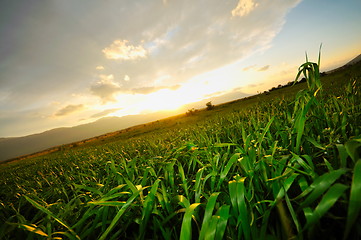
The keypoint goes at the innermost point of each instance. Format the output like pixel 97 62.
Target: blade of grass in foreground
pixel 223 214
pixel 327 201
pixel 320 185
pixel 33 228
pixel 352 148
pixel 354 205
pixel 148 208
pixel 239 205
pixel 43 209
pixel 226 169
pixel 186 230
pixel 208 215
pixel 119 214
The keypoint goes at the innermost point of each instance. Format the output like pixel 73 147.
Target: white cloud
pixel 244 8
pixel 126 78
pixel 99 67
pixel 184 41
pixel 121 49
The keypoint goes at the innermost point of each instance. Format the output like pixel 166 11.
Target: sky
pixel 65 62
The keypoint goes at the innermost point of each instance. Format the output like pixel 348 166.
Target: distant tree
pixel 191 112
pixel 289 83
pixel 209 105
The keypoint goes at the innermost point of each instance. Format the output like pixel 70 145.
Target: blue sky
pixel 65 63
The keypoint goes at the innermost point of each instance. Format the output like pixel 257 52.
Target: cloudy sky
pixel 68 62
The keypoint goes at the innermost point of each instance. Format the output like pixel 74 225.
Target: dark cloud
pixel 69 109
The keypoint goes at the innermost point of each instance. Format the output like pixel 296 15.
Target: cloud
pixel 254 85
pixel 104 113
pixel 121 49
pixel 244 8
pixel 147 90
pixel 106 88
pixel 184 41
pixel 126 78
pixel 99 67
pixel 248 68
pixel 69 109
pixel 264 68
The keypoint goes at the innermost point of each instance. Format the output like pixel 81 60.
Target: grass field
pixel 281 165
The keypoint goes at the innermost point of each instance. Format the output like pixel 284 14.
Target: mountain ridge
pixel 13 147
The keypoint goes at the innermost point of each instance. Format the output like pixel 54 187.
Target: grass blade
pixel 208 215
pixel 33 228
pixel 43 209
pixel 327 201
pixel 352 148
pixel 223 214
pixel 354 205
pixel 118 216
pixel 148 207
pixel 226 169
pixel 186 229
pixel 320 185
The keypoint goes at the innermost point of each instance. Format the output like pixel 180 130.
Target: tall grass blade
pixel 352 148
pixel 226 169
pixel 223 215
pixel 239 205
pixel 33 228
pixel 320 185
pixel 327 201
pixel 41 208
pixel 186 229
pixel 354 205
pixel 211 232
pixel 208 215
pixel 148 207
pixel 118 215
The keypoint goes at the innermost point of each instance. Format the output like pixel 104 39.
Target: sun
pixel 164 99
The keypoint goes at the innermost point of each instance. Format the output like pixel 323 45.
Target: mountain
pixel 354 61
pixel 17 146
pixel 349 64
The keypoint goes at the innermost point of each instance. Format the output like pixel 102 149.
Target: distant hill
pixel 17 146
pixel 354 61
pixel 350 63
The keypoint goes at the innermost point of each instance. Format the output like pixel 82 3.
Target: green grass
pixel 280 166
